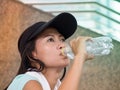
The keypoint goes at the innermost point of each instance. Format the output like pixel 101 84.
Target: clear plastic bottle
pixel 97 46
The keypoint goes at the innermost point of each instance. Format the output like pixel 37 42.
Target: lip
pixel 63 56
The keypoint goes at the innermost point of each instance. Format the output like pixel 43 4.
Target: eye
pixel 50 40
pixel 63 39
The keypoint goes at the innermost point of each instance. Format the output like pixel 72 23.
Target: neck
pixel 52 76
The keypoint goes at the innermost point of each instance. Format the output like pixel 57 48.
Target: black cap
pixel 65 23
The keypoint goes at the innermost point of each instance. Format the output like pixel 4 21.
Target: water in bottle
pixel 97 46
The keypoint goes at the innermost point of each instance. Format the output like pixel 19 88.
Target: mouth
pixel 63 56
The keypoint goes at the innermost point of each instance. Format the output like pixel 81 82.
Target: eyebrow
pixel 50 34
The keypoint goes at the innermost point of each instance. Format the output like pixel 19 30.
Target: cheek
pixel 50 55
pixel 45 54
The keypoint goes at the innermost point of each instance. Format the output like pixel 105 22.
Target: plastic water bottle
pixel 97 46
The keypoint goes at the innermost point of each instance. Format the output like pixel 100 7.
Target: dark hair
pixel 27 58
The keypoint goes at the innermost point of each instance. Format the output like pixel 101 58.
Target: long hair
pixel 27 58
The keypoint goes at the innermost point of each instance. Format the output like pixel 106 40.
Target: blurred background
pixel 94 17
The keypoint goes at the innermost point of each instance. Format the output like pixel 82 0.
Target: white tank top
pixel 43 81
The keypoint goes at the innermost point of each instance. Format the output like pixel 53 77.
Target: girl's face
pixel 48 49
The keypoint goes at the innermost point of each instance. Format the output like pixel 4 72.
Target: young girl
pixel 40 47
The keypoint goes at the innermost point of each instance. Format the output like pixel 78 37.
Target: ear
pixel 34 54
pixel 33 62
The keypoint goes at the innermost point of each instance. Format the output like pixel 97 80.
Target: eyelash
pixel 63 40
pixel 51 39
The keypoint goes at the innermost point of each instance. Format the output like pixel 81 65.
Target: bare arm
pixel 32 85
pixel 71 81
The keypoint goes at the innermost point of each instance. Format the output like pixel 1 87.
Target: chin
pixel 67 62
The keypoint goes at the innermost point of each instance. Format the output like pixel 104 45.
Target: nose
pixel 61 45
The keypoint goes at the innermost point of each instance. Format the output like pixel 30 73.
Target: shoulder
pixel 19 81
pixel 32 85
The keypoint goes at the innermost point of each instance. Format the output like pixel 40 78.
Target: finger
pixel 90 56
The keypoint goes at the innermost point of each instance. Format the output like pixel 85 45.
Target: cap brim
pixel 65 23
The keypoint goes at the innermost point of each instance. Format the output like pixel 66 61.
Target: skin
pixel 48 49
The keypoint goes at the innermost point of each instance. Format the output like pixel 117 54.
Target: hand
pixel 78 46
